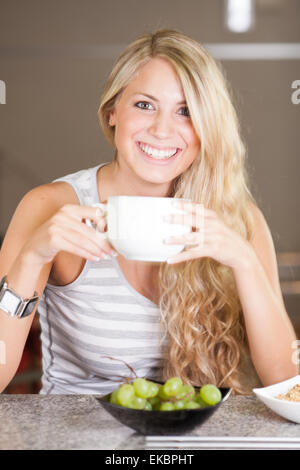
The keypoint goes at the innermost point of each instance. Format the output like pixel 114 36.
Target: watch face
pixel 9 302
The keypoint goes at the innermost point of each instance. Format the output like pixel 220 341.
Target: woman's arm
pixel 24 275
pixel 269 329
pixel 46 222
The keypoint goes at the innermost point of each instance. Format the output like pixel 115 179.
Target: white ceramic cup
pixel 136 228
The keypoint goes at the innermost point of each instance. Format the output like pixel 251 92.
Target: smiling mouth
pixel 159 154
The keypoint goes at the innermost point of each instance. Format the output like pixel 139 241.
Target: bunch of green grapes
pixel 142 394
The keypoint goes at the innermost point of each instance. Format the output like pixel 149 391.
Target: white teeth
pixel 159 154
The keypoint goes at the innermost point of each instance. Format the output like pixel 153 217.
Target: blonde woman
pixel 167 112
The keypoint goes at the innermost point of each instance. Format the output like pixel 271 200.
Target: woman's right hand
pixel 67 231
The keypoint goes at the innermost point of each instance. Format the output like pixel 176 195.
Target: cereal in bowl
pixel 292 395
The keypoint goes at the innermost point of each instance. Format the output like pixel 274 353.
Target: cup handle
pixel 103 207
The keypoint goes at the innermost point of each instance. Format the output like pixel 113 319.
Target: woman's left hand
pixel 210 237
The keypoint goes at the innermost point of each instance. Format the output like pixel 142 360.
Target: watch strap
pixel 23 308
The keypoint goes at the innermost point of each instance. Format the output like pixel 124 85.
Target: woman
pixel 166 110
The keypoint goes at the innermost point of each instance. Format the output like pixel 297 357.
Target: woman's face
pixel 154 135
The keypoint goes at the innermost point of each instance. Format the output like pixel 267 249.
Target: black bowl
pixel 161 422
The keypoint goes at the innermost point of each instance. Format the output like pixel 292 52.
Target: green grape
pixel 172 386
pixel 142 388
pixel 162 394
pixel 182 392
pixel 166 406
pixel 210 394
pixel 154 401
pixel 143 394
pixel 113 397
pixel 157 407
pixel 201 402
pixel 124 394
pixel 148 406
pixel 186 391
pixel 191 392
pixel 153 389
pixel 179 405
pixel 137 403
pixel 190 405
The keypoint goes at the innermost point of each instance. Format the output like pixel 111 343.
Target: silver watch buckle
pixel 21 308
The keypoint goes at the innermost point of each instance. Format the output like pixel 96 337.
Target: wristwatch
pixel 13 304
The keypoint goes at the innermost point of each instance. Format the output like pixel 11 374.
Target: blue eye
pixel 145 104
pixel 186 113
pixel 142 103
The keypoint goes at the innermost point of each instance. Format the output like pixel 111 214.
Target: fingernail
pixel 113 253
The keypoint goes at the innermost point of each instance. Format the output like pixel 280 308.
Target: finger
pixel 94 248
pixel 69 223
pixel 202 240
pixel 188 219
pixel 193 220
pixel 193 215
pixel 101 226
pixel 186 239
pixel 210 237
pixel 79 212
pixel 79 250
pixel 193 207
pixel 105 244
pixel 72 214
pixel 80 240
pixel 189 255
pixel 197 223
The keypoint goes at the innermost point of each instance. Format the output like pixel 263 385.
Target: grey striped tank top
pixel 99 315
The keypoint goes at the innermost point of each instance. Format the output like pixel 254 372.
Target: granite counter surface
pixel 79 422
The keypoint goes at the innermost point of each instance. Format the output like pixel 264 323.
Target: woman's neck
pixel 115 180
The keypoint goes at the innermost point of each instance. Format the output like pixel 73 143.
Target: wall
pixel 55 56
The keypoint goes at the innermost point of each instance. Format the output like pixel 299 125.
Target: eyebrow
pixel 155 99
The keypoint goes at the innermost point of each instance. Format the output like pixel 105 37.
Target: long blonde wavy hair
pixel 198 298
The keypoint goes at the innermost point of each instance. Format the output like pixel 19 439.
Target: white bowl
pixel 287 409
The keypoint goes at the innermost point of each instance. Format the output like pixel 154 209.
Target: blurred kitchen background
pixel 55 57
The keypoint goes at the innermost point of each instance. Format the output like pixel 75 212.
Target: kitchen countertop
pixel 79 422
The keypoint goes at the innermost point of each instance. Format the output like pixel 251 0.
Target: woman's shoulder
pixel 261 237
pixel 263 245
pixel 51 195
pixel 41 202
pixel 258 219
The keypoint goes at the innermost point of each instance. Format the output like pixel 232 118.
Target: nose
pixel 161 126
